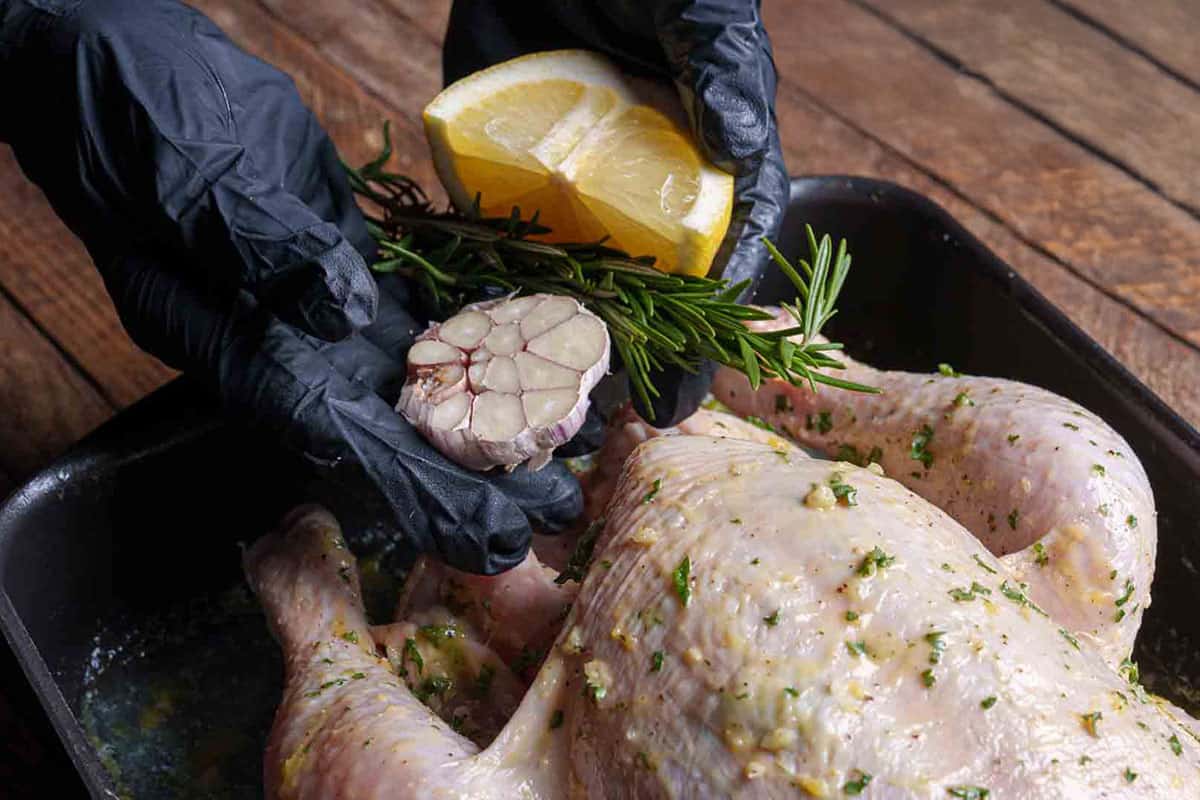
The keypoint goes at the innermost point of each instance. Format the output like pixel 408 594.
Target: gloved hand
pixel 717 54
pixel 217 211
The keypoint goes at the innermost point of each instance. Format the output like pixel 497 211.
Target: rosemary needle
pixel 655 319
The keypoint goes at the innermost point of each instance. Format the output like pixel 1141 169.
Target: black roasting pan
pixel 120 588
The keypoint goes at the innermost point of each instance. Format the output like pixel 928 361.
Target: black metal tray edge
pixel 70 735
pixel 179 412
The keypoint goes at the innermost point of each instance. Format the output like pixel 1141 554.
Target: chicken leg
pixel 348 727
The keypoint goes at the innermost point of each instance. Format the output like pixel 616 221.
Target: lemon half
pixel 596 154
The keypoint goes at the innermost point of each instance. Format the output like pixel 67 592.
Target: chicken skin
pixel 754 623
pixel 1043 483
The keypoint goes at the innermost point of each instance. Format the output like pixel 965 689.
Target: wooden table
pixel 1063 133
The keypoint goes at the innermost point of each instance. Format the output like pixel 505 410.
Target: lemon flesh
pixel 567 135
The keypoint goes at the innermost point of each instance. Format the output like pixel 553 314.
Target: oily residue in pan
pixel 178 703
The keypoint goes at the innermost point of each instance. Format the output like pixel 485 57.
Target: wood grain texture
pixel 379 50
pixel 428 16
pixel 47 405
pixel 45 268
pixel 1074 76
pixel 1165 30
pixel 827 145
pixel 1050 191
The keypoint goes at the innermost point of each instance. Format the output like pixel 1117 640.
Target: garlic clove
pixel 445 381
pixel 548 406
pixel 538 373
pixel 577 343
pixel 477 374
pixel 431 351
pixel 452 413
pixel 496 417
pixel 466 330
pixel 504 340
pixel 550 312
pixel 502 376
pixel 514 309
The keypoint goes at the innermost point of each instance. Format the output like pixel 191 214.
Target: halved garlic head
pixel 505 381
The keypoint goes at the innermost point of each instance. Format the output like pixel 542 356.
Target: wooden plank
pixel 374 45
pixel 1074 76
pixel 352 116
pixel 823 144
pixel 1163 30
pixel 1045 188
pixel 47 271
pixel 431 17
pixel 47 404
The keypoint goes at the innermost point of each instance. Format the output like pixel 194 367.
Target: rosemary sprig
pixel 655 319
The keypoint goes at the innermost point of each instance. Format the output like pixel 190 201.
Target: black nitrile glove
pixel 217 211
pixel 717 54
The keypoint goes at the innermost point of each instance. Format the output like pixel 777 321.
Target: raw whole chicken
pixel 519 613
pixel 1043 483
pixel 754 623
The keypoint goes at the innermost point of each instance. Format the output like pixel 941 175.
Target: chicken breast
pixel 1043 483
pixel 520 612
pixel 626 430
